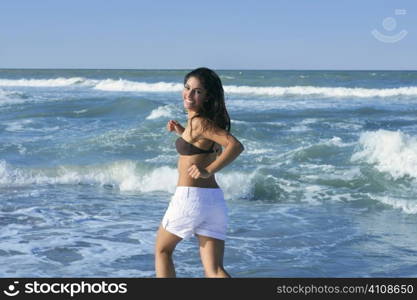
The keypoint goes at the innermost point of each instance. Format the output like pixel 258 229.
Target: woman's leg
pixel 164 247
pixel 211 252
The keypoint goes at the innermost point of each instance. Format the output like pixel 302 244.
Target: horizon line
pixel 219 69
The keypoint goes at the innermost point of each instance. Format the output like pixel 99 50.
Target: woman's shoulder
pixel 201 127
pixel 201 122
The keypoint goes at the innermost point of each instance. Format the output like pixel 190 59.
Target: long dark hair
pixel 214 109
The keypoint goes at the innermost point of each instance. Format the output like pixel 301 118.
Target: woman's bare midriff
pixel 201 160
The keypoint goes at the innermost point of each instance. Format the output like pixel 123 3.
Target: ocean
pixel 326 186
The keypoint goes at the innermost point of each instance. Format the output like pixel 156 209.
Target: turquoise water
pixel 326 185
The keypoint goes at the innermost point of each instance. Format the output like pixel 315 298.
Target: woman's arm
pixel 232 149
pixel 174 125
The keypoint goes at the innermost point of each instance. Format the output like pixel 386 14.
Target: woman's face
pixel 194 94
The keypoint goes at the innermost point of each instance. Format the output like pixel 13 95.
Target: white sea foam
pixel 240 122
pixel 309 121
pixel 126 85
pixel 312 194
pixel 4 95
pixel 82 111
pixel 11 97
pixel 337 141
pixel 322 91
pixel 236 184
pixel 87 256
pixel 393 152
pixel 22 150
pixel 347 125
pixel 160 112
pixel 123 85
pixel 162 178
pixel 16 126
pixel 25 125
pixel 290 104
pixel 406 205
pixel 317 194
pixel 132 86
pixel 330 173
pixel 123 175
pixel 304 125
pixel 54 82
pixel 299 128
pixel 163 158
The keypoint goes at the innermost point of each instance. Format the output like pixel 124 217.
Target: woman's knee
pixel 165 242
pixel 163 247
pixel 164 250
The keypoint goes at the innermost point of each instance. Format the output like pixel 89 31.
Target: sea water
pixel 326 186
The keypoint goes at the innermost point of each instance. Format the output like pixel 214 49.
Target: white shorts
pixel 195 210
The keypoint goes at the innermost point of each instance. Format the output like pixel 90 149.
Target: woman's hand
pixel 197 172
pixel 173 125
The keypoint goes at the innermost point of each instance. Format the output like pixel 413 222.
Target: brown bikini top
pixel 186 148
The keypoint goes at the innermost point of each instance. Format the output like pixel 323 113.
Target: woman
pixel 198 206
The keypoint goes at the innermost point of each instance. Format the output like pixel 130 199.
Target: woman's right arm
pixel 173 125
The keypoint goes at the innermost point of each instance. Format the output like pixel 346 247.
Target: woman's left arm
pixel 232 149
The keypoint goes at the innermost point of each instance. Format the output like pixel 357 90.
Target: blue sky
pixel 218 34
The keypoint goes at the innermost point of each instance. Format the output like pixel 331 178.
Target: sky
pixel 127 34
